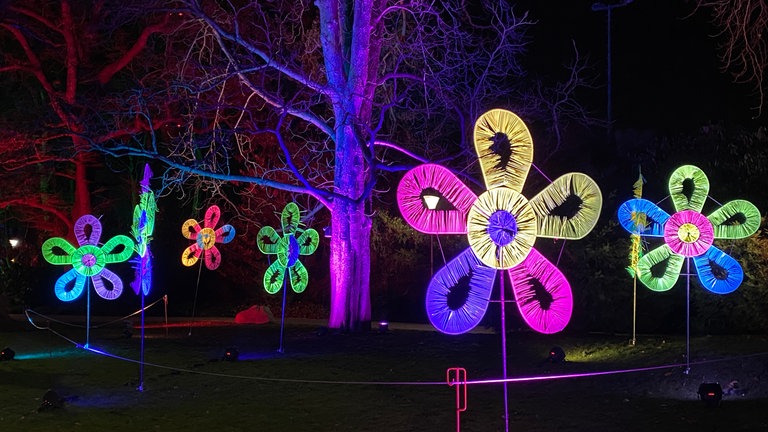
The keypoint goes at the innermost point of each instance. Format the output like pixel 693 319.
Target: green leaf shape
pixel 688 187
pixel 663 256
pixel 274 277
pixel 290 218
pixel 299 277
pixel 735 219
pixel 113 243
pixel 50 254
pixel 267 240
pixel 308 241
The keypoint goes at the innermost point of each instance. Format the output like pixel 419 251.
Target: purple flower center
pixel 502 227
pixel 89 260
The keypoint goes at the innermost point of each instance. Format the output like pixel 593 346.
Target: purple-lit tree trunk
pixel 351 84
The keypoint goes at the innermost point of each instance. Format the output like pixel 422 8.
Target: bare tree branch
pixel 743 32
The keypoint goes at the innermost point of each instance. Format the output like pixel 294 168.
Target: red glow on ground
pixel 196 323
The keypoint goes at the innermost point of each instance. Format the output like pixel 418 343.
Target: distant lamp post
pixel 431 202
pixel 14 242
pixel 608 7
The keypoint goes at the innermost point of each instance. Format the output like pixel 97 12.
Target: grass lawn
pixel 373 382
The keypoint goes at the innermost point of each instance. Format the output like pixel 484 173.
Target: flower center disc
pixel 688 233
pixel 89 260
pixel 206 238
pixel 501 228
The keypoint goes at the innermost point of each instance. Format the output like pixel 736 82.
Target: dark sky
pixel 665 64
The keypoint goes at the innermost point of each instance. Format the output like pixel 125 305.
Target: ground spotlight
pixel 231 354
pixel 51 400
pixel 7 354
pixel 711 393
pixel 556 355
pixel 383 327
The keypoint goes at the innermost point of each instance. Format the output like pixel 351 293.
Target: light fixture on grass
pixel 51 400
pixel 710 393
pixel 231 354
pixel 7 354
pixel 556 355
pixel 383 326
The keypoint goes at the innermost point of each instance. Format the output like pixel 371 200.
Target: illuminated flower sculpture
pixel 205 239
pixel 142 228
pixel 689 234
pixel 501 226
pixel 293 243
pixel 89 260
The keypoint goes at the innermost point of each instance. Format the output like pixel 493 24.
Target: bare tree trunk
pixel 350 268
pixel 350 262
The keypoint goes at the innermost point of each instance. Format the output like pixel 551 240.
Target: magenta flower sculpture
pixel 205 238
pixel 88 260
pixel 501 226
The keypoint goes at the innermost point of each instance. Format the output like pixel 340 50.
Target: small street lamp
pixel 431 202
pixel 608 7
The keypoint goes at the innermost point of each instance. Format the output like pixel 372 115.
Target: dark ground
pixel 374 382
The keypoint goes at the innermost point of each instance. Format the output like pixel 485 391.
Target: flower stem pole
pixel 634 310
pixel 88 312
pixel 282 311
pixel 141 351
pixel 687 316
pixel 504 346
pixel 194 302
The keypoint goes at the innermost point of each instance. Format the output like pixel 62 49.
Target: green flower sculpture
pixel 295 241
pixel 89 260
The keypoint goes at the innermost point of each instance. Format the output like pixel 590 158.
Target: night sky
pixel 665 65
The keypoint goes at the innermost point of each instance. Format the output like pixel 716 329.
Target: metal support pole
pixel 282 312
pixel 141 355
pixel 687 316
pixel 504 351
pixel 634 310
pixel 88 314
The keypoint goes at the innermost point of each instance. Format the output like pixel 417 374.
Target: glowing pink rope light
pixel 546 307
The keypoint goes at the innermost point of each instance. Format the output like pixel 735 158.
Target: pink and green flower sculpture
pixel 88 260
pixel 687 233
pixel 288 247
pixel 501 226
pixel 205 238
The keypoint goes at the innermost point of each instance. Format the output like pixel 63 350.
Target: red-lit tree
pixel 59 61
pixel 324 88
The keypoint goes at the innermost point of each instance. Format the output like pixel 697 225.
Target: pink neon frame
pixel 415 211
pixel 557 316
pixel 696 248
